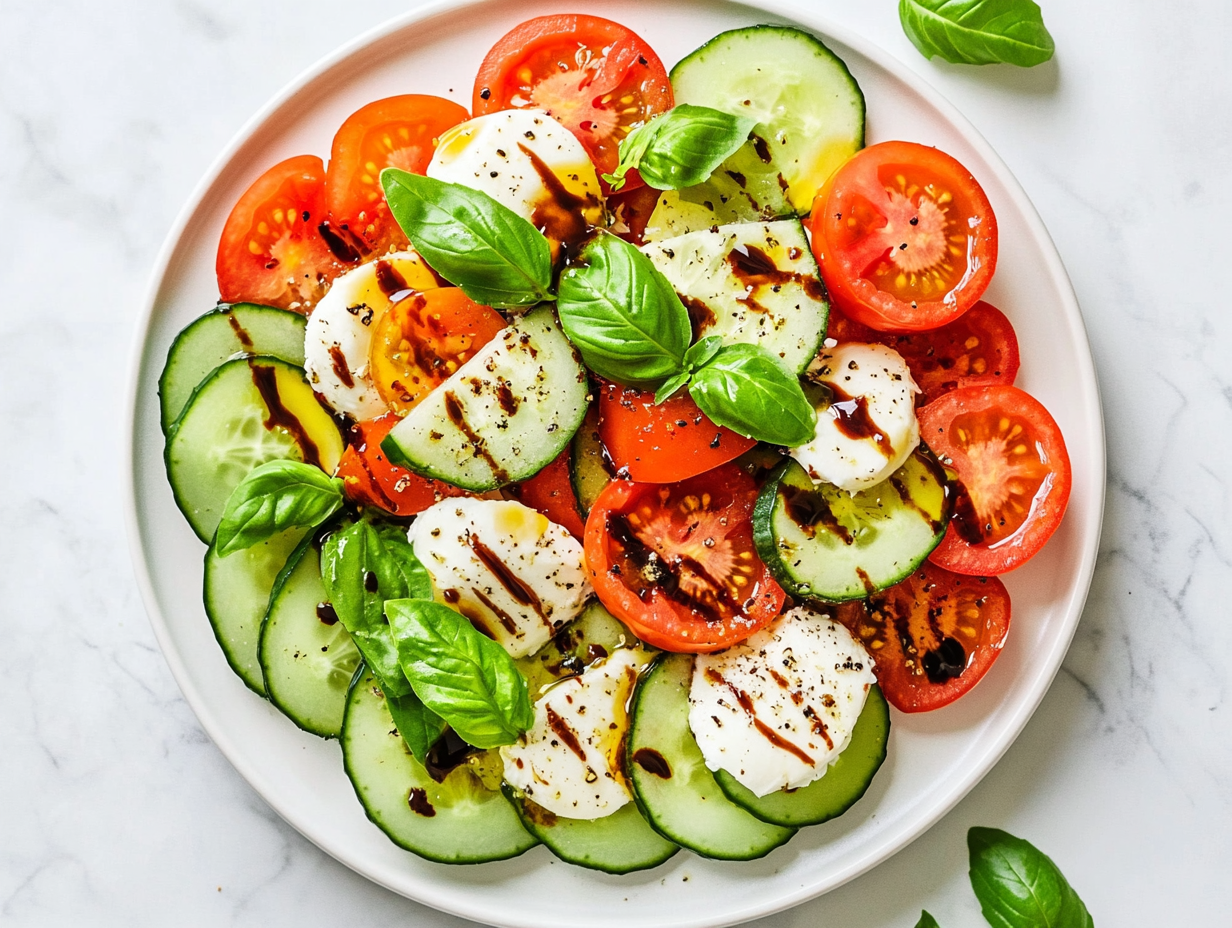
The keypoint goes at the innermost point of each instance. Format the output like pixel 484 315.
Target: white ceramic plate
pixel 933 760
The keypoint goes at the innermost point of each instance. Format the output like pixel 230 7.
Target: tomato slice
pixel 370 480
pixel 422 339
pixel 676 562
pixel 905 237
pixel 631 210
pixel 551 492
pixel 397 132
pixel 933 636
pixel 662 444
pixel 270 251
pixel 1013 471
pixel 593 76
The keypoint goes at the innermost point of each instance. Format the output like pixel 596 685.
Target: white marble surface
pixel 117 810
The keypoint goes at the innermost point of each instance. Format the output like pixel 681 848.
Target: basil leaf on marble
pixel 1018 886
pixel 494 255
pixel 681 148
pixel 748 390
pixel 623 316
pixel 926 921
pixel 276 496
pixel 460 674
pixel 978 31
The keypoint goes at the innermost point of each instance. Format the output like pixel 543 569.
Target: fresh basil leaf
pixel 275 496
pixel 926 921
pixel 494 255
pixel 1018 886
pixel 362 566
pixel 463 676
pixel 748 390
pixel 670 386
pixel 418 725
pixel 681 148
pixel 978 31
pixel 700 354
pixel 622 314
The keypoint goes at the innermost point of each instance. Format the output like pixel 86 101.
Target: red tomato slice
pixel 595 77
pixel 1013 471
pixel 905 237
pixel 662 444
pixel 843 329
pixel 933 636
pixel 397 132
pixel 551 492
pixel 270 251
pixel 370 480
pixel 676 562
pixel 632 209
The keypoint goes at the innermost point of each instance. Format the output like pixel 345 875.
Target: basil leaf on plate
pixel 460 674
pixel 276 496
pixel 418 725
pixel 978 31
pixel 1018 886
pixel 494 255
pixel 622 314
pixel 926 921
pixel 681 148
pixel 747 389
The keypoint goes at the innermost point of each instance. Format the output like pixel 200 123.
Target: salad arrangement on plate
pixel 600 468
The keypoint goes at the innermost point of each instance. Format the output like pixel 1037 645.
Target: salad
pixel 600 466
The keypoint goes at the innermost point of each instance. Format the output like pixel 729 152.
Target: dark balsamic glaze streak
pixel 904 492
pixel 417 799
pixel 522 594
pixel 565 733
pixel 240 332
pixel 506 620
pixel 338 361
pixel 559 216
pixel 808 509
pixel 265 379
pixel 653 762
pixel 746 703
pixel 754 268
pixel 852 418
pixel 342 243
pixel 448 753
pixel 389 280
pixel 701 316
pixel 453 409
pixel 326 613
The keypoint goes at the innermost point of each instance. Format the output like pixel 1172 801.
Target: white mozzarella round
pixel 871 384
pixel 339 332
pixel 507 154
pixel 568 762
pixel 776 709
pixel 517 576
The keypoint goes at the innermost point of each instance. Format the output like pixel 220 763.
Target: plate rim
pixel 448 900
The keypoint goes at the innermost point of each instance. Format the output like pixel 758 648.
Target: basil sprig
pixel 463 676
pixel 750 391
pixel 1018 886
pixel 680 148
pixel 978 31
pixel 621 313
pixel 276 496
pixel 476 243
pixel 362 566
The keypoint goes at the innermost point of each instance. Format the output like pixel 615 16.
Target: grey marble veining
pixel 117 810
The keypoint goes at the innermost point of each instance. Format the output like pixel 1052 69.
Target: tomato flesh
pixel 933 636
pixel 676 562
pixel 595 77
pixel 371 480
pixel 271 251
pixel 1014 473
pixel 662 443
pixel 550 492
pixel 397 132
pixel 905 237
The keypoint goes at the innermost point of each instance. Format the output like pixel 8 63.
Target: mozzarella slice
pixel 870 428
pixel 775 710
pixel 338 337
pixel 527 161
pixel 514 574
pixel 568 762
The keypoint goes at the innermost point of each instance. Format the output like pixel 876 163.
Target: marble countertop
pixel 118 810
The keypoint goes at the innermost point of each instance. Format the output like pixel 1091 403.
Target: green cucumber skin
pixel 585 471
pixel 847 780
pixel 215 338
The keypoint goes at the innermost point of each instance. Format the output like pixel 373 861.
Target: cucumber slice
pixel 821 542
pixel 237 596
pixel 590 468
pixel 307 657
pixel 504 415
pixel 674 790
pixel 222 333
pixel 845 781
pixel 618 843
pixel 248 411
pixel 755 283
pixel 456 821
pixel 591 636
pixel 807 105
